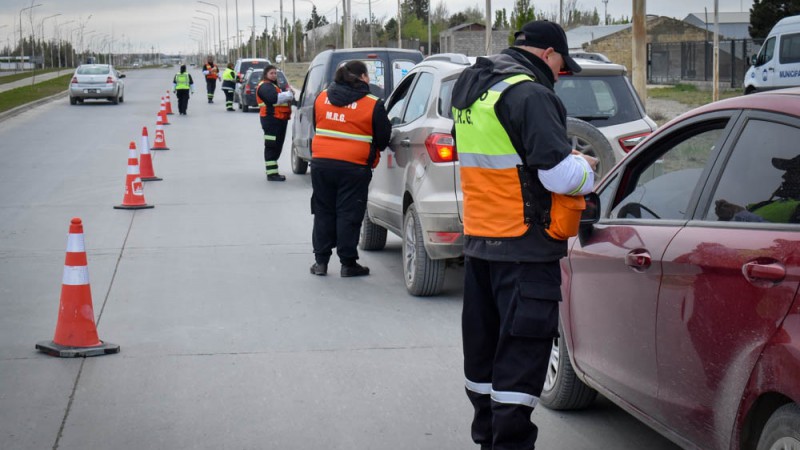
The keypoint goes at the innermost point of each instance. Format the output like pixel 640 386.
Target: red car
pixel 680 303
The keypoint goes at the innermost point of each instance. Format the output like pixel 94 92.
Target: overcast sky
pixel 165 24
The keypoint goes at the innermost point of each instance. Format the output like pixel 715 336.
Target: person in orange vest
pixel 352 128
pixel 523 188
pixel 275 111
pixel 211 71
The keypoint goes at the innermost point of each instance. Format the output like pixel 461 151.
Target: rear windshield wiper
pixel 592 117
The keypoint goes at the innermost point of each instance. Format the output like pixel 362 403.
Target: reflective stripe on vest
pixel 488 161
pixel 182 81
pixel 343 132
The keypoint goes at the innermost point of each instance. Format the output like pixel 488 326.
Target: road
pixel 227 341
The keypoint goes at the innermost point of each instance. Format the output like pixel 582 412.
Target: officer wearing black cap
pixel 523 188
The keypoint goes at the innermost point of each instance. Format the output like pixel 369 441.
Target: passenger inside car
pixel 782 207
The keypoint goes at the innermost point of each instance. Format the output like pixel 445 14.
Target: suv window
pixel 311 87
pixel 377 74
pixel 446 98
pixel 763 185
pixel 600 100
pixel 400 69
pixel 790 48
pixel 664 186
pixel 399 100
pixel 418 101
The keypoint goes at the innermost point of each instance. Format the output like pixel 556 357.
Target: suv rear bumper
pixel 442 223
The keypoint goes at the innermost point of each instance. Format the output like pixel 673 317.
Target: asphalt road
pixel 227 341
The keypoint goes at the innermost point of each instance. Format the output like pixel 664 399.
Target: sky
pixel 165 25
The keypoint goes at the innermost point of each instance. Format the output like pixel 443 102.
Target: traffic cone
pixel 146 165
pixel 134 189
pixel 76 333
pixel 160 142
pixel 162 111
pixel 145 138
pixel 168 105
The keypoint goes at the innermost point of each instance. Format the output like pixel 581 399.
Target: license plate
pixel 92 91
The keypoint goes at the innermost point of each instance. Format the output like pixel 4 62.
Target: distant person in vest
pixel 228 85
pixel 182 85
pixel 523 188
pixel 211 71
pixel 352 128
pixel 275 111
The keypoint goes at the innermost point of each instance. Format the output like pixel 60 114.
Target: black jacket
pixel 535 120
pixel 269 95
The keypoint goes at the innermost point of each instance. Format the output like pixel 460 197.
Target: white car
pixel 96 81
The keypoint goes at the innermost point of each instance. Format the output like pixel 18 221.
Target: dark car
pixel 681 303
pixel 241 67
pixel 246 90
pixel 386 66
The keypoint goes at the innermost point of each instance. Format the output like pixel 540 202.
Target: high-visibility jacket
pixel 281 111
pixel 228 79
pixel 212 71
pixel 182 81
pixel 490 168
pixel 344 132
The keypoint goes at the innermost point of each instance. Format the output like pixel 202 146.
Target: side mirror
pixel 122 75
pixel 591 214
pixel 753 60
pixel 396 121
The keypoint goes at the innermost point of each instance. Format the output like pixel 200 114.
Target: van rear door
pixel 788 66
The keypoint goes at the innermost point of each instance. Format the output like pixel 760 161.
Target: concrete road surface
pixel 227 341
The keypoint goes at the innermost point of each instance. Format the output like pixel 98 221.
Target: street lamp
pixel 208 29
pixel 219 32
pixel 21 44
pixel 204 29
pixel 211 22
pixel 266 36
pixel 41 28
pixel 58 33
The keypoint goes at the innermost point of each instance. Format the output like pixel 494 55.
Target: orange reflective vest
pixel 345 132
pixel 281 111
pixel 212 71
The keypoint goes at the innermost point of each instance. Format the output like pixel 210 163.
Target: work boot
pixel 319 269
pixel 276 177
pixel 354 270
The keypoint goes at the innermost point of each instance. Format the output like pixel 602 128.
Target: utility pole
pixel 238 33
pixel 605 12
pixel 294 34
pixel 348 25
pixel 399 26
pixel 253 32
pixel 639 50
pixel 337 26
pixel 715 95
pixel 369 5
pixel 430 44
pixel 266 36
pixel 488 50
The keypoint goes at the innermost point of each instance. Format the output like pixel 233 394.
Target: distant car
pixel 241 67
pixel 593 56
pixel 96 81
pixel 279 59
pixel 680 304
pixel 247 88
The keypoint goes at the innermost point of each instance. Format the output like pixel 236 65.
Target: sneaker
pixel 276 177
pixel 319 269
pixel 356 270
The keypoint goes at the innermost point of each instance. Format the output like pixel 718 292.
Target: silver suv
pixel 416 188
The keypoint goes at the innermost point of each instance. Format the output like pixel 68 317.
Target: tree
pixel 500 20
pixel 766 13
pixel 418 8
pixel 316 20
pixel 523 13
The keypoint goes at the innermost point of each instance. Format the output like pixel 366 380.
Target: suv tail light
pixel 74 80
pixel 629 142
pixel 109 80
pixel 247 89
pixel 441 148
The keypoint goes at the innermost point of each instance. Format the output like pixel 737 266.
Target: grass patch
pixel 22 75
pixel 26 94
pixel 688 94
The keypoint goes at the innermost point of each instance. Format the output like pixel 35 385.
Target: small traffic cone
pixel 134 189
pixel 145 138
pixel 76 333
pixel 146 165
pixel 168 105
pixel 160 142
pixel 162 111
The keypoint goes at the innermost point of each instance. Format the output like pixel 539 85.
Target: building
pixel 732 25
pixel 470 39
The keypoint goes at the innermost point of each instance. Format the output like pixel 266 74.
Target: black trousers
pixel 228 98
pixel 509 320
pixel 211 86
pixel 274 135
pixel 183 99
pixel 338 203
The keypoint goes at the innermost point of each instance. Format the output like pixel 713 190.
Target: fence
pixel 676 62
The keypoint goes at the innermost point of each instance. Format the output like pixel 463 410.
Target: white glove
pixel 285 97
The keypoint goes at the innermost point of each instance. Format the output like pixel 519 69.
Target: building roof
pixel 465 25
pixel 576 37
pixel 724 17
pixel 734 25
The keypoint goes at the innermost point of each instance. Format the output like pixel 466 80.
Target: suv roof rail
pixel 455 58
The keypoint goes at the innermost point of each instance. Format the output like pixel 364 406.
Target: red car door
pixel 730 277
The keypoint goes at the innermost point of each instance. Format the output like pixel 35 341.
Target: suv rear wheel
pixel 563 390
pixel 588 140
pixel 373 237
pixel 423 276
pixel 782 431
pixel 299 165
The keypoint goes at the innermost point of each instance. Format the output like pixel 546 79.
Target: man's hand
pixel 590 159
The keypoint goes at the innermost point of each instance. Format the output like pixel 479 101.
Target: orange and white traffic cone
pixel 145 138
pixel 76 333
pixel 168 105
pixel 134 189
pixel 146 165
pixel 162 111
pixel 160 142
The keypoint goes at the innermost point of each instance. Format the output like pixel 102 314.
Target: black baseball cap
pixel 545 34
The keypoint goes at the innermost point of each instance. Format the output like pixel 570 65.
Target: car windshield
pixel 248 64
pixel 600 100
pixel 92 70
pixel 255 76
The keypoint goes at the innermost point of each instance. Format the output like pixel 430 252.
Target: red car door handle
pixel 755 271
pixel 638 259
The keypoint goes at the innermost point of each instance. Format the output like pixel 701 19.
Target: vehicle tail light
pixel 443 237
pixel 441 147
pixel 109 80
pixel 247 89
pixel 563 72
pixel 629 142
pixel 74 80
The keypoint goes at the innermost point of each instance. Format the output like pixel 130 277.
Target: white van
pixel 777 64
